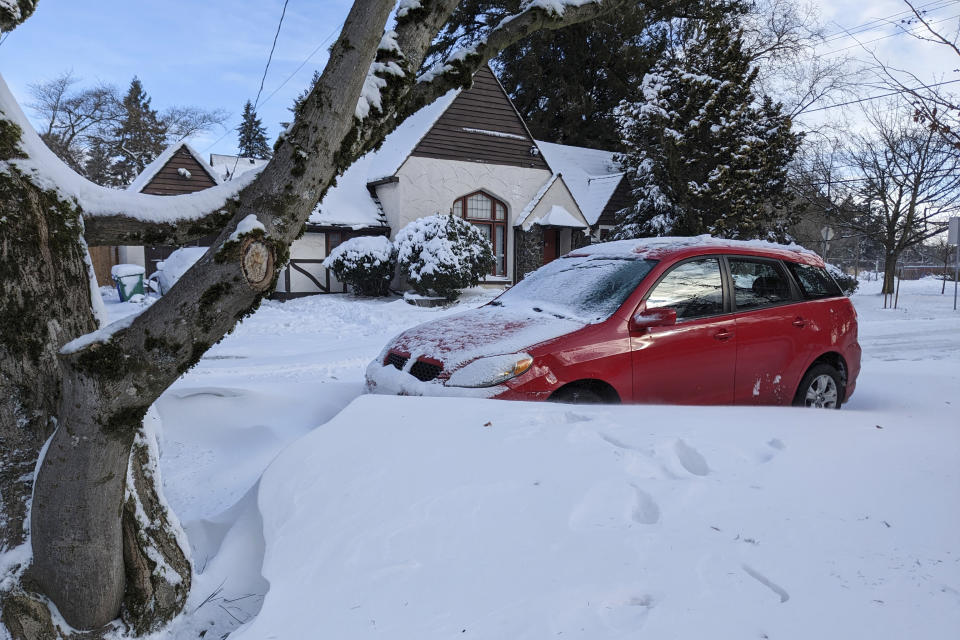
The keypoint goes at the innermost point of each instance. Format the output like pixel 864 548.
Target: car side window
pixel 694 289
pixel 815 281
pixel 758 283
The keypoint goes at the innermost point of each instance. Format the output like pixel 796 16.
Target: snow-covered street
pixel 313 509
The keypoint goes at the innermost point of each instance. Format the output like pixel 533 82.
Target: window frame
pixel 796 293
pixel 727 291
pixel 493 222
pixel 799 285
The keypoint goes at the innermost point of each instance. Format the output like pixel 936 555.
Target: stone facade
pixel 529 250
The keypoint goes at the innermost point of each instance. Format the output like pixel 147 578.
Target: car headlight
pixel 487 372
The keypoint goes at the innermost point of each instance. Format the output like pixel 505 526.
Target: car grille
pixel 424 371
pixel 396 360
pixel 421 369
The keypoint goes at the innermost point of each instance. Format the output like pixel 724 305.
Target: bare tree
pixel 909 178
pixel 80 121
pixel 182 122
pixel 80 395
pixel 934 104
pixel 74 119
pixel 782 37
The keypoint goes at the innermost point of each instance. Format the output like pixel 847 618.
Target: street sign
pixel 953 231
pixel 827 234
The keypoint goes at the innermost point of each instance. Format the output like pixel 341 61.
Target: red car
pixel 655 320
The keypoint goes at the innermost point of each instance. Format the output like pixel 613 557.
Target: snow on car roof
pixel 649 246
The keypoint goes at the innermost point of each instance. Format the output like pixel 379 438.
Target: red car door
pixel 772 331
pixel 692 361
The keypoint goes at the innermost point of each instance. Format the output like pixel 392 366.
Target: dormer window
pixel 490 216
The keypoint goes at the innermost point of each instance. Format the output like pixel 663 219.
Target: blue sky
pixel 211 53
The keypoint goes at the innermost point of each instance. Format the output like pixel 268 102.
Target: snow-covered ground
pixel 315 510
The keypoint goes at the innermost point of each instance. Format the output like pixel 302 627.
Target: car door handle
pixel 723 335
pixel 799 322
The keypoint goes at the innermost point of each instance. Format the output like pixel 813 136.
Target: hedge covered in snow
pixel 847 282
pixel 366 264
pixel 443 254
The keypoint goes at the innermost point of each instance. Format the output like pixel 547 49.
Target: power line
pixel 263 79
pixel 889 35
pixel 882 95
pixel 877 22
pixel 270 57
pixel 286 80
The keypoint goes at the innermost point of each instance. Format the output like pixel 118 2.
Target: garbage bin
pixel 129 280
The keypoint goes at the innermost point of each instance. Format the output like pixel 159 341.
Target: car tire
pixel 577 395
pixel 821 387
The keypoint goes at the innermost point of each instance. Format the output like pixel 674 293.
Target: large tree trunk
pixel 889 272
pixel 102 543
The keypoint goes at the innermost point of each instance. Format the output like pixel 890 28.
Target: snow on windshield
pixel 584 288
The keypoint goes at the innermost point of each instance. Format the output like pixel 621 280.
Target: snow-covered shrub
pixel 366 264
pixel 443 254
pixel 847 282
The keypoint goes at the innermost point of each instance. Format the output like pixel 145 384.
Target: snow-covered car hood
pixel 487 331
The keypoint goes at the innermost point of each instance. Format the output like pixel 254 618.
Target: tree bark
pixel 93 553
pixel 889 272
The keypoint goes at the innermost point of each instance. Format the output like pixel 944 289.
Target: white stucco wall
pixel 427 186
pixel 557 194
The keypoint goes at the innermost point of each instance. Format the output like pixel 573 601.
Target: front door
pixel 692 362
pixel 551 244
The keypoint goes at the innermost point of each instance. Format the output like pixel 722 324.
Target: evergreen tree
pixel 566 83
pixel 705 154
pixel 139 138
pixel 253 139
pixel 98 162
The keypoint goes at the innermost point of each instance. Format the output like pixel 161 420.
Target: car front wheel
pixel 820 388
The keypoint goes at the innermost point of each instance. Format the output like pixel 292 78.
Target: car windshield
pixel 583 288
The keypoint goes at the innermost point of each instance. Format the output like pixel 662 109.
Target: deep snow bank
pixel 420 518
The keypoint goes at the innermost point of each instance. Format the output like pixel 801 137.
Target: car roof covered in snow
pixel 659 248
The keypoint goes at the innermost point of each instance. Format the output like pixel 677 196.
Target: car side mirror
pixel 647 318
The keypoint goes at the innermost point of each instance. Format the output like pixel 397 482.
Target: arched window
pixel 490 215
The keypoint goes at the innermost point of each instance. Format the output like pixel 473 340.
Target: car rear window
pixel 583 288
pixel 815 281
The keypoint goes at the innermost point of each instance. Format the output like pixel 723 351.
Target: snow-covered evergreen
pixel 705 154
pixel 252 142
pixel 443 254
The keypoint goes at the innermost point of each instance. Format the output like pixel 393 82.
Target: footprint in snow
pixel 645 508
pixel 770 451
pixel 690 459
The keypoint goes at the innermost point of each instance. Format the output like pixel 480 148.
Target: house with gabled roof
pixel 178 170
pixel 469 153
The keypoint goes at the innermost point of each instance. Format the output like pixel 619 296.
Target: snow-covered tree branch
pixel 73 395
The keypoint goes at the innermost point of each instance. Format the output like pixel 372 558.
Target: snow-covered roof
pixel 49 172
pixel 592 175
pixel 349 203
pixel 560 217
pixel 152 169
pixel 229 167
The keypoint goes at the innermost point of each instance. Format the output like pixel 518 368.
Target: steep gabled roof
pixel 350 203
pixel 482 125
pixel 592 175
pixel 179 169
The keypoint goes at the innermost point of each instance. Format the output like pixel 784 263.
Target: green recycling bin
pixel 129 280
